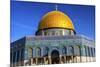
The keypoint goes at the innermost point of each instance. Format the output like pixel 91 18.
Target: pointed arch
pixel 38 51
pixel 46 51
pixel 64 50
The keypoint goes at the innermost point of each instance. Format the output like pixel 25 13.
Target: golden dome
pixel 55 19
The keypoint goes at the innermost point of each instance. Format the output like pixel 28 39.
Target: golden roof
pixel 55 19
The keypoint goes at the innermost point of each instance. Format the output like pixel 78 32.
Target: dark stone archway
pixel 55 57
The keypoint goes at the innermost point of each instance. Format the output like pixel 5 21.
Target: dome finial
pixel 56 7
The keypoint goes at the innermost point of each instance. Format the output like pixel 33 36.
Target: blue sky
pixel 25 17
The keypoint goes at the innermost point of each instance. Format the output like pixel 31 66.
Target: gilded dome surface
pixel 55 19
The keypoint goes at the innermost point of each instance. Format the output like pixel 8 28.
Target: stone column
pixel 36 60
pixel 31 61
pixel 72 59
pixel 75 59
pixel 49 57
pixel 60 57
pixel 65 59
pixel 44 60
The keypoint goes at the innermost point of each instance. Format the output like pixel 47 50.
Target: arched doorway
pixel 55 57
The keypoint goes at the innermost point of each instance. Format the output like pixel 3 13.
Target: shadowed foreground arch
pixel 55 57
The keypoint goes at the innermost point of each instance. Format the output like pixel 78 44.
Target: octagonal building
pixel 56 42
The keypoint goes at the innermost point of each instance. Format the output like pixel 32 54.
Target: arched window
pixel 18 55
pixel 11 56
pixel 45 33
pixel 30 52
pixel 69 32
pixel 78 50
pixel 88 50
pixel 61 32
pixel 46 50
pixel 26 53
pixel 53 32
pixel 22 54
pixel 14 56
pixel 85 50
pixel 91 51
pixel 72 33
pixel 71 50
pixel 38 52
pixel 94 52
pixel 64 50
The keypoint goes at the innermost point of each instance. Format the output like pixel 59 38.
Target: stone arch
pixel 38 51
pixel 30 52
pixel 14 56
pixel 46 51
pixel 77 53
pixel 88 49
pixel 18 55
pixel 22 54
pixel 55 57
pixel 71 50
pixel 84 50
pixel 78 50
pixel 64 50
pixel 91 52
